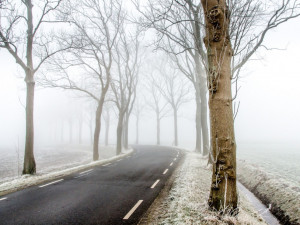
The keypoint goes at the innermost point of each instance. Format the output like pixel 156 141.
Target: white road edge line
pixel 86 171
pixel 156 182
pixel 171 164
pixel 132 210
pixel 1 199
pixel 51 183
pixel 107 164
pixel 165 171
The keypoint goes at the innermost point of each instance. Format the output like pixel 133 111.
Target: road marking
pixel 1 199
pixel 86 171
pixel 132 210
pixel 175 159
pixel 156 182
pixel 171 164
pixel 165 171
pixel 119 160
pixel 107 164
pixel 51 183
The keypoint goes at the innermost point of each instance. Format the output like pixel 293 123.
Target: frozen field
pixel 281 160
pixel 48 159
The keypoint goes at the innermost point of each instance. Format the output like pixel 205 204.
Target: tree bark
pixel 175 128
pixel 119 134
pixel 204 119
pixel 223 194
pixel 97 130
pixel 29 161
pixel 198 123
pixel 126 123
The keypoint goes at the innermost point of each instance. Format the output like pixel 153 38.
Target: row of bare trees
pixel 88 47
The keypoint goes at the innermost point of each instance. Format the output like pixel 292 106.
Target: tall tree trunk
pixel 137 129
pixel 119 134
pixel 29 162
pixel 175 127
pixel 204 118
pixel 157 129
pixel 198 123
pixel 107 129
pixel 126 123
pixel 97 130
pixel 223 194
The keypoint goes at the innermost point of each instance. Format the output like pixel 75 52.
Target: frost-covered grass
pixel 282 194
pixel 49 159
pixel 279 159
pixel 63 169
pixel 186 201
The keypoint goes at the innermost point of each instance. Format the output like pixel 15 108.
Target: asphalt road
pixel 117 193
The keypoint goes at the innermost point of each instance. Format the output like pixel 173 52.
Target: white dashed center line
pixel 51 183
pixel 107 164
pixel 171 164
pixel 156 182
pixel 86 171
pixel 132 210
pixel 165 171
pixel 1 199
pixel 175 159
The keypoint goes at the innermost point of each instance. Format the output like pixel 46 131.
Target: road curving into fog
pixel 114 193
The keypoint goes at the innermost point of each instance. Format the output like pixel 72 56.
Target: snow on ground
pixel 282 194
pixel 49 159
pixel 186 201
pixel 57 165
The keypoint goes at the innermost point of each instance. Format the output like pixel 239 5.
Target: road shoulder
pixel 183 199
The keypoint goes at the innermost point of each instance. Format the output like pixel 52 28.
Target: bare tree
pixel 179 33
pixel 137 111
pixel 127 117
pixel 223 193
pixel 88 68
pixel 20 33
pixel 107 121
pixel 125 81
pixel 156 102
pixel 235 30
pixel 175 91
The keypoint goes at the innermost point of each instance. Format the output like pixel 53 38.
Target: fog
pixel 269 111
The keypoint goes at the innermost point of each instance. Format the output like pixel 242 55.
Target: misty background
pixel 269 95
